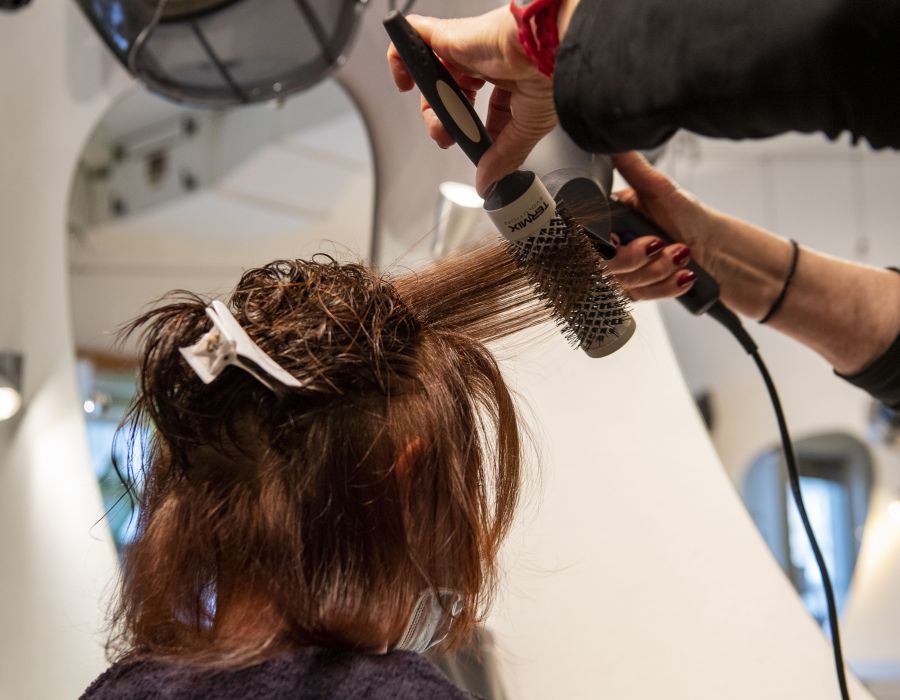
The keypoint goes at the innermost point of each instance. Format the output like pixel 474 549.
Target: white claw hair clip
pixel 227 343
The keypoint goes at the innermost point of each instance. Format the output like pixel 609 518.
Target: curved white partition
pixel 635 571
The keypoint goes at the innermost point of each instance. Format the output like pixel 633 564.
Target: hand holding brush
pixel 554 252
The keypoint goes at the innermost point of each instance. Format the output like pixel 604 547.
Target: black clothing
pixel 306 674
pixel 881 379
pixel 629 74
pixel 474 667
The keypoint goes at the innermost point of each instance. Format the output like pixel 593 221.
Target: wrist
pixel 849 313
pixel 511 49
pixel 751 264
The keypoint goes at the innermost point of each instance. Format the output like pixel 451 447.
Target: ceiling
pixel 269 182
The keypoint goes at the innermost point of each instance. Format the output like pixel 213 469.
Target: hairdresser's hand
pixel 847 312
pixel 748 262
pixel 647 267
pixel 486 48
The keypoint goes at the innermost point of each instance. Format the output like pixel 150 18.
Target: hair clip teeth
pixel 227 343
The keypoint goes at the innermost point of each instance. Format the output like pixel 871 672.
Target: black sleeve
pixel 881 379
pixel 630 73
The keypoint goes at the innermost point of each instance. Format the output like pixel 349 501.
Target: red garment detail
pixel 538 31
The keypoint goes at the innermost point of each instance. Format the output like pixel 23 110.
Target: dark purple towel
pixel 307 674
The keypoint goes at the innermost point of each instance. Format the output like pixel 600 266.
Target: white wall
pixel 58 560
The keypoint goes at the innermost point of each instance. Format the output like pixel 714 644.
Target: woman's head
pixel 319 514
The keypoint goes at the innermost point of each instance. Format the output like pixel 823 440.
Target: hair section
pixel 318 515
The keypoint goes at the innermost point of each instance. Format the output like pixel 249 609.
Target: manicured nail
pixel 685 278
pixel 654 247
pixel 681 256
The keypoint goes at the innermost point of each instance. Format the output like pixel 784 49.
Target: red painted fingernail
pixel 681 256
pixel 654 247
pixel 685 278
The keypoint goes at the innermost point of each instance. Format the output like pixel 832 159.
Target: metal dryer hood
pixel 223 52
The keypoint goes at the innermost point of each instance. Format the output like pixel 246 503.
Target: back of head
pixel 317 515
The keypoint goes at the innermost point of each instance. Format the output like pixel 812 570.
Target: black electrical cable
pixel 794 479
pixel 730 320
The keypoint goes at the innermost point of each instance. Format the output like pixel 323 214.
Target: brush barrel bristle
pixel 568 274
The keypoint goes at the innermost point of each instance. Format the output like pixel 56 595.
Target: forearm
pixel 848 313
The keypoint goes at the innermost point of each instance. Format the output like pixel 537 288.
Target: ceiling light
pixel 96 404
pixel 10 384
pixel 894 510
pixel 460 210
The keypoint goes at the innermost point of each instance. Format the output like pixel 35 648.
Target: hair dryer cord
pixel 729 319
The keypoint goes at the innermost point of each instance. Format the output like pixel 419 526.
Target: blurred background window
pixel 836 480
pixel 107 387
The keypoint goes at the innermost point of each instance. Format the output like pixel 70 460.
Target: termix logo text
pixel 532 214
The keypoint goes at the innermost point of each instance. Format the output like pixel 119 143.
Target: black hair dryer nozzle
pixel 629 224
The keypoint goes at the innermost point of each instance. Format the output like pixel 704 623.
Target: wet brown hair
pixel 317 516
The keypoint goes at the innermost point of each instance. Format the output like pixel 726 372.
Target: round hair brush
pixel 552 250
